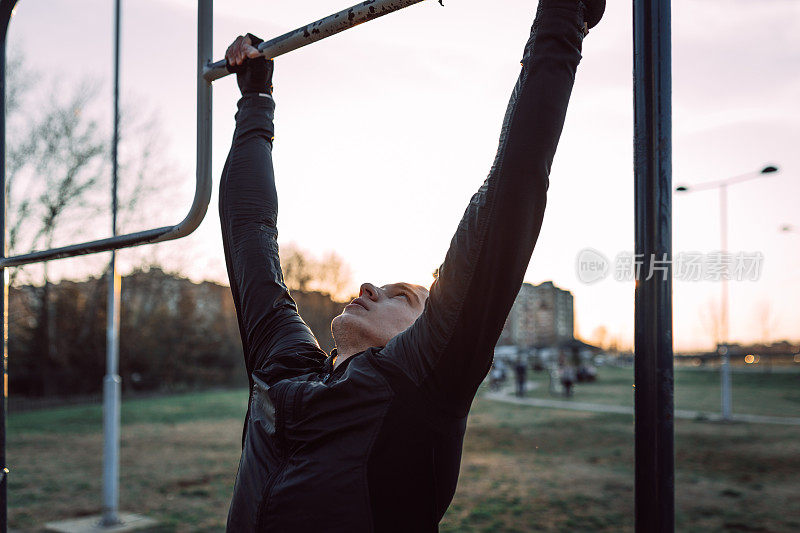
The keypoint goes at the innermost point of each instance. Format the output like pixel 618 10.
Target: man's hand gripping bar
pixel 316 31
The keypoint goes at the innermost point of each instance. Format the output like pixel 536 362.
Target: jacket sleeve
pixel 276 341
pixel 449 349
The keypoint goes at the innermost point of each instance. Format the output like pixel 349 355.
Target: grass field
pixel 755 393
pixel 524 468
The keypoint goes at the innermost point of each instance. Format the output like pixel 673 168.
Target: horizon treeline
pixel 174 334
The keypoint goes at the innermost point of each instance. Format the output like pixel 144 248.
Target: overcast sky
pixel 385 131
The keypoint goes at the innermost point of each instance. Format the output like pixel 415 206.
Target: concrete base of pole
pixel 92 524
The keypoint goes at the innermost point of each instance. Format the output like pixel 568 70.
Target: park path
pixel 508 397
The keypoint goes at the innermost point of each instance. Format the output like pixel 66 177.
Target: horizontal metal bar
pixel 102 245
pixel 316 31
pixel 202 194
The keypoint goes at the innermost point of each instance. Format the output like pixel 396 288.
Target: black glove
pixel 254 75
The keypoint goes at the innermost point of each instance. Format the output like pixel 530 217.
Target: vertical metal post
pixel 6 11
pixel 654 446
pixel 112 383
pixel 725 356
pixel 205 31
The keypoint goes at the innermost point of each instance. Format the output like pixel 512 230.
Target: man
pixel 370 438
pixel 521 371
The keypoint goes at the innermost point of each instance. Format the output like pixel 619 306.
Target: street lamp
pixel 722 185
pixel 788 228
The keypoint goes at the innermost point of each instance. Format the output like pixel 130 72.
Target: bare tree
pixel 600 335
pixel 145 171
pixel 304 272
pixel 298 267
pixel 55 163
pixel 58 173
pixel 66 152
pixel 334 275
pixel 58 167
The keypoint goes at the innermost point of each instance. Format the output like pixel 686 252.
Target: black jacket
pixel 375 444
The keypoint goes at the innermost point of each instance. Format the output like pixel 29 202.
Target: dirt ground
pixel 523 469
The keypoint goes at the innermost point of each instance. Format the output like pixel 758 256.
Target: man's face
pixel 378 314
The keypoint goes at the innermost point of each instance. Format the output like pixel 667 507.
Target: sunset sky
pixel 385 131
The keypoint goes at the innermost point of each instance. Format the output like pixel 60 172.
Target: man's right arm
pixel 274 337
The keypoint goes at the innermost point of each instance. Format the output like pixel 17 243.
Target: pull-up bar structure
pixel 206 73
pixel 653 373
pixel 316 31
pixel 654 483
pixel 202 194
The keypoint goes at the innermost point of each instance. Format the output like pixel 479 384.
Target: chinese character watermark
pixel 592 266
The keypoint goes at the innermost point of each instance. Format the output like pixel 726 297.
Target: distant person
pixel 586 373
pixel 370 437
pixel 497 375
pixel 521 372
pixel 568 378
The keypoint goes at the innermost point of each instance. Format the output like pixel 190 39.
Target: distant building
pixel 542 315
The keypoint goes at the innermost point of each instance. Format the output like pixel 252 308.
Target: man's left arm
pixel 448 350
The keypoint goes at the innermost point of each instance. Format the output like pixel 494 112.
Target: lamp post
pixel 722 185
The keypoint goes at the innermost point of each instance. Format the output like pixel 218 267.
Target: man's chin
pixel 353 328
pixel 344 322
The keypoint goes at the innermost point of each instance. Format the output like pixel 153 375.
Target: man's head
pixel 377 315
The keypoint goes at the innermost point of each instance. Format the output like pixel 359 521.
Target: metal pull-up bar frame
pixel 654 483
pixel 316 31
pixel 206 73
pixel 202 194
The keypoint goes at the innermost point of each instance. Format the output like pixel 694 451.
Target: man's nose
pixel 370 290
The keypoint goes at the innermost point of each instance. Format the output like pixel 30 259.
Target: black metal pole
pixel 6 10
pixel 654 440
